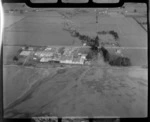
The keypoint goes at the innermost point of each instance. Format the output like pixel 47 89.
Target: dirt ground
pixel 78 91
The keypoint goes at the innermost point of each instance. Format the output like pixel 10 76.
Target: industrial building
pixel 70 55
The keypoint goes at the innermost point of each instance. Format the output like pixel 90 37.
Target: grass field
pixel 41 31
pixel 10 19
pixel 14 87
pixel 8 54
pixel 137 56
pixel 78 91
pixel 27 30
pixel 19 81
pixel 74 91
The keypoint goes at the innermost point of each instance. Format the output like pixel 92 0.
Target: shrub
pixel 20 63
pixel 105 53
pixel 102 32
pixel 15 58
pixel 89 56
pixel 114 60
pixel 120 61
pixel 126 61
pixel 77 34
pixel 115 34
pixel 81 37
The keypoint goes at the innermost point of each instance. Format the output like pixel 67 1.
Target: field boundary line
pixel 104 67
pixel 139 23
pixel 74 46
pixel 14 23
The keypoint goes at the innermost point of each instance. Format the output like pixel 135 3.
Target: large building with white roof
pixel 71 55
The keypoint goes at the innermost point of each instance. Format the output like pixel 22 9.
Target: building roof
pixel 45 59
pixel 44 53
pixel 25 53
pixel 77 59
pixel 84 50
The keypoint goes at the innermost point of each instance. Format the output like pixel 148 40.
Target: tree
pixel 105 54
pixel 15 58
pixel 126 61
pixel 89 56
pixel 77 34
pixel 115 34
pixel 120 61
pixel 94 44
pixel 96 41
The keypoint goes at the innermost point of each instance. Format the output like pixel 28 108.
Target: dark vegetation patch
pixel 114 60
pixel 91 55
pixel 105 54
pixel 85 39
pixel 111 32
pixel 93 43
pixel 120 61
pixel 15 58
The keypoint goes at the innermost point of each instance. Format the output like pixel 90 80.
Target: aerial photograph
pixel 75 62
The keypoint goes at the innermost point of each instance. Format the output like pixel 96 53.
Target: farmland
pixel 78 91
pixel 73 90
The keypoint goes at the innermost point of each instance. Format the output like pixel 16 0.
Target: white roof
pixel 45 59
pixel 44 54
pixel 48 48
pixel 25 53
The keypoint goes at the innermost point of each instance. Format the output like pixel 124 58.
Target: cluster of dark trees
pixel 115 34
pixel 105 54
pixel 112 32
pixel 114 60
pixel 92 42
pixel 120 61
